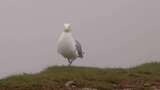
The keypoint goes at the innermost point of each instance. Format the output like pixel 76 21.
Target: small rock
pixel 70 84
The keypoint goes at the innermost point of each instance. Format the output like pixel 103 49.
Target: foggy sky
pixel 113 33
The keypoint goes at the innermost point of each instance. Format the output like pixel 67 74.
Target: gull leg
pixel 70 62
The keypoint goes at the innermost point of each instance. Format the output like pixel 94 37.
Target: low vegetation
pixel 143 77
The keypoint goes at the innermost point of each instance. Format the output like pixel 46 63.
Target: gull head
pixel 67 27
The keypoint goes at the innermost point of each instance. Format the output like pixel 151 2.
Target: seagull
pixel 68 47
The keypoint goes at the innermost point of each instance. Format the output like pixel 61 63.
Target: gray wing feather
pixel 79 49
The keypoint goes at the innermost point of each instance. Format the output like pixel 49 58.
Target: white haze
pixel 113 33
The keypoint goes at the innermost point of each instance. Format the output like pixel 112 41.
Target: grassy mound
pixel 143 77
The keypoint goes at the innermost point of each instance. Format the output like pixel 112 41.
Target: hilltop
pixel 142 77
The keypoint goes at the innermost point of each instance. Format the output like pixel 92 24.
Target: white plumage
pixel 68 47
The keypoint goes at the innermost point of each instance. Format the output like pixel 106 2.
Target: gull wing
pixel 79 49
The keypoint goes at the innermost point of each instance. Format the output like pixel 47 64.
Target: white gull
pixel 68 47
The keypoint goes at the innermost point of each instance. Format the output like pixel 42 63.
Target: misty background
pixel 113 33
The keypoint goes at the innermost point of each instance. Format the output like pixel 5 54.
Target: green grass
pixel 141 77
